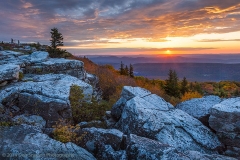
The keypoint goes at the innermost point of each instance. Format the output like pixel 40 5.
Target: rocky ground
pixel 34 94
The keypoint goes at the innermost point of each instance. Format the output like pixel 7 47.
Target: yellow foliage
pixel 190 95
pixel 65 132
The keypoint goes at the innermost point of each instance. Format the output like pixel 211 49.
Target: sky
pixel 124 27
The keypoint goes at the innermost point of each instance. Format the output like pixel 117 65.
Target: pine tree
pixel 171 87
pixel 121 69
pixel 184 87
pixel 56 38
pixel 56 41
pixel 126 71
pixel 131 71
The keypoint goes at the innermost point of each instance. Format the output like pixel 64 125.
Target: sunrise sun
pixel 168 51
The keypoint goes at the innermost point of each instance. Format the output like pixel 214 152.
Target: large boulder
pixel 225 120
pixel 92 137
pixel 148 149
pixel 74 68
pixel 44 95
pixel 9 72
pixel 39 56
pixel 28 142
pixel 199 107
pixel 152 117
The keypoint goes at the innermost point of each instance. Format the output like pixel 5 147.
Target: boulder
pixel 225 120
pixel 92 137
pixel 28 142
pixel 199 107
pixel 147 149
pixel 33 120
pixel 107 152
pixel 157 119
pixel 74 68
pixel 127 93
pixel 44 95
pixel 39 56
pixel 9 72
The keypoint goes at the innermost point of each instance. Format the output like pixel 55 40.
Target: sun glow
pixel 168 52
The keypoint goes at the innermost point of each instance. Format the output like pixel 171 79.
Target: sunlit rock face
pixel 225 120
pixel 25 141
pixel 200 107
pixel 148 115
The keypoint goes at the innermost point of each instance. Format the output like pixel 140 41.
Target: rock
pixel 147 149
pixel 159 121
pixel 199 107
pixel 45 95
pixel 29 142
pixel 225 120
pixel 33 120
pixel 97 124
pixel 9 72
pixel 91 137
pixel 39 56
pixel 1 48
pixel 127 93
pixel 74 68
pixel 107 152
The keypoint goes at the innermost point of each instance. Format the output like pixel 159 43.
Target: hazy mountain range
pixel 200 67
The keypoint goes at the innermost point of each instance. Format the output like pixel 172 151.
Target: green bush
pixel 83 110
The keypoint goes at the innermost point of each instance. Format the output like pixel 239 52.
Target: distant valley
pixel 193 67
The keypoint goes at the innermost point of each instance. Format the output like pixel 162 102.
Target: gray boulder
pixel 225 120
pixel 39 56
pixel 105 152
pixel 9 72
pixel 28 142
pixel 44 95
pixel 74 68
pixel 92 137
pixel 141 148
pixel 33 120
pixel 127 93
pixel 157 119
pixel 199 107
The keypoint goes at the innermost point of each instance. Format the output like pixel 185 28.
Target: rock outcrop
pixel 225 120
pixel 147 115
pixel 144 148
pixel 9 72
pixel 92 137
pixel 28 142
pixel 44 87
pixel 44 95
pixel 199 107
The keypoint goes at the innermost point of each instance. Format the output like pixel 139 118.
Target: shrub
pixel 190 95
pixel 65 132
pixel 83 110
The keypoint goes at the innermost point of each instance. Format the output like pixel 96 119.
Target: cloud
pixel 217 40
pixel 152 20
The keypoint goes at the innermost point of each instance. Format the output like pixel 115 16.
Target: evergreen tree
pixel 171 87
pixel 184 87
pixel 131 71
pixel 56 38
pixel 126 71
pixel 57 41
pixel 121 69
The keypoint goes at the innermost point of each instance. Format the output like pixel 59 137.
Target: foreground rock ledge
pixel 28 142
pixel 225 120
pixel 150 116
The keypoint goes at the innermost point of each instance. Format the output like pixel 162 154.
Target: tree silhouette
pixel 131 71
pixel 184 87
pixel 171 87
pixel 56 38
